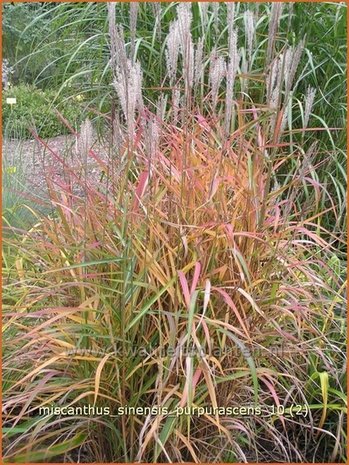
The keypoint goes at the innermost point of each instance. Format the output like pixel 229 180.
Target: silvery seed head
pixel 292 58
pixel 309 101
pixel 128 85
pixel 161 108
pixel 152 135
pixel 112 35
pixel 185 17
pixel 274 84
pixel 172 50
pixel 118 58
pixel 204 12
pixel 216 75
pixel 233 63
pixel 199 61
pixel 215 8
pixel 134 6
pixel 274 22
pixel 230 13
pixel 86 137
pixel 274 81
pixel 249 31
pixel 284 120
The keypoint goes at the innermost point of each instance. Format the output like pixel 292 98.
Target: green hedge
pixel 35 108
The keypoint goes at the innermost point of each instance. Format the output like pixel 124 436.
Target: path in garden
pixel 29 162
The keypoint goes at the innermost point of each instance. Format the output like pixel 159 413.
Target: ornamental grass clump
pixel 194 277
pixel 187 252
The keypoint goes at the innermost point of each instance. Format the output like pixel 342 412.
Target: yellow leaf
pixel 19 267
pixel 98 375
pixel 324 390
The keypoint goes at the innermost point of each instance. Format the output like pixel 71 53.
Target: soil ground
pixel 29 162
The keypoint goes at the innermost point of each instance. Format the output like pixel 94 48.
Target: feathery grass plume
pixel 274 81
pixel 117 135
pixel 216 74
pixel 128 85
pixel 156 7
pixel 118 57
pixel 204 6
pixel 292 58
pixel 161 108
pixel 112 36
pixel 276 10
pixel 215 10
pixel 198 68
pixel 173 43
pixel 249 32
pixel 152 134
pixel 233 63
pixel 309 101
pixel 284 120
pixel 185 16
pixel 172 50
pixel 85 144
pixel 308 160
pixel 231 30
pixel 244 69
pixel 134 6
pixel 274 84
pixel 85 140
pixel 230 14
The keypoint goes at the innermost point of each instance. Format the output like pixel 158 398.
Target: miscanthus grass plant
pixel 71 41
pixel 201 271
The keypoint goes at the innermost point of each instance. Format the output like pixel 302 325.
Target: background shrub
pixel 35 108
